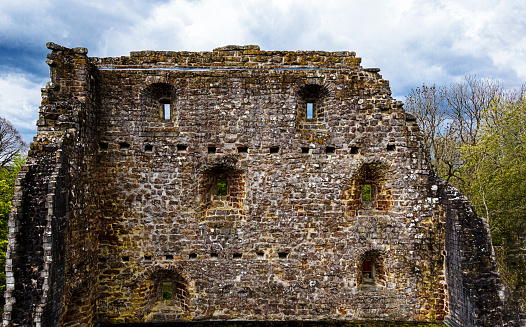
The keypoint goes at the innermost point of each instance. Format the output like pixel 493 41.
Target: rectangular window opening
pixel 274 149
pixel 354 150
pixel 192 256
pixel 242 149
pixel 167 291
pixel 237 255
pixel 125 258
pixel 167 111
pixel 329 149
pixel 367 269
pixel 181 147
pixel 310 110
pixel 221 187
pixel 103 146
pixel 304 150
pixel 366 193
pixel 212 149
pixel 214 256
pixel 390 147
pixel 169 257
pixel 148 257
pixel 148 148
pixel 260 255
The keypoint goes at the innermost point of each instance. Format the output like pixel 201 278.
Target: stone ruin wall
pixel 118 203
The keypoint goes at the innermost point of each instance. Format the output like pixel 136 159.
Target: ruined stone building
pixel 238 184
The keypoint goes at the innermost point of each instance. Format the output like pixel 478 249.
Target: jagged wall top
pixel 231 56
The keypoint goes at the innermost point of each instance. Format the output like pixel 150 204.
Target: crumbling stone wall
pixel 238 184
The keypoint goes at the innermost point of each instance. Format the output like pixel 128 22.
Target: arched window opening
pixel 158 98
pixel 167 288
pixel 311 103
pixel 369 189
pixel 221 186
pixel 372 269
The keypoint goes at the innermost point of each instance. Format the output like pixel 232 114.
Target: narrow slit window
pixel 167 291
pixel 167 111
pixel 310 110
pixel 366 193
pixel 221 187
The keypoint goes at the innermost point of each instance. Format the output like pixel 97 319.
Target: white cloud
pixel 19 102
pixel 412 41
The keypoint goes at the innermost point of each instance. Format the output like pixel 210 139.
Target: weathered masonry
pixel 238 184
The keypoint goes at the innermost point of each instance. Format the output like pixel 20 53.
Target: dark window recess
pixel 101 259
pixel 274 149
pixel 242 149
pixel 329 149
pixel 124 146
pixel 169 257
pixel 181 147
pixel 212 149
pixel 367 269
pixel 283 255
pixel 167 291
pixel 148 148
pixel 354 150
pixel 221 187
pixel 260 255
pixel 103 146
pixel 390 147
pixel 148 257
pixel 125 258
pixel 192 256
pixel 214 255
pixel 310 110
pixel 237 255
pixel 367 193
pixel 304 150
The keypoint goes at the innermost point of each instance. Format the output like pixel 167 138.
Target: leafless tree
pixel 450 117
pixel 11 143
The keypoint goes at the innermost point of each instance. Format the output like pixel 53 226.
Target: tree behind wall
pixel 475 135
pixel 11 143
pixel 11 147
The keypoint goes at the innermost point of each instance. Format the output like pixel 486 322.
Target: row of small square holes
pixel 193 256
pixel 241 149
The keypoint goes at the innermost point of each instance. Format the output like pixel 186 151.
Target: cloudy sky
pixel 412 41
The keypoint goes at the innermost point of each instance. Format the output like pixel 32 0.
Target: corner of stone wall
pixel 39 220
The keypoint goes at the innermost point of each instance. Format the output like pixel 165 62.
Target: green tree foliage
pixel 7 185
pixel 497 167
